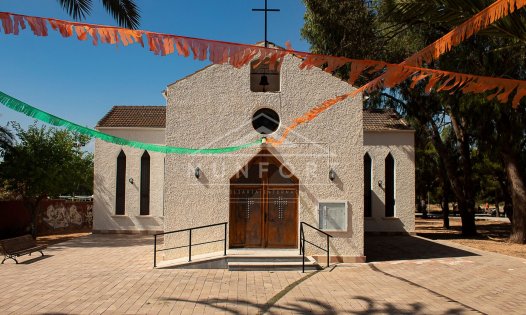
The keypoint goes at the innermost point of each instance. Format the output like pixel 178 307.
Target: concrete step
pixel 266 258
pixel 241 262
pixel 272 266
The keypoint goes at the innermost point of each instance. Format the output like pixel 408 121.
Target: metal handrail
pixel 303 241
pixel 189 230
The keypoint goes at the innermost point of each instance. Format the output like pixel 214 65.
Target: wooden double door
pixel 264 205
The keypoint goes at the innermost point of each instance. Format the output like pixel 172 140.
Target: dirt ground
pixel 493 235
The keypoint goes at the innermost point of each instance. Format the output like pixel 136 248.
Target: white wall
pixel 105 169
pixel 214 107
pixel 401 146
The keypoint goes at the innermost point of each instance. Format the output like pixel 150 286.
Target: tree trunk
pixel 518 197
pixel 468 213
pixel 447 193
pixel 33 205
pixel 497 207
pixel 467 216
pixel 445 211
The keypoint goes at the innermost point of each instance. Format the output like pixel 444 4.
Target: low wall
pixel 54 217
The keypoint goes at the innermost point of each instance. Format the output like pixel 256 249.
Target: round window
pixel 265 121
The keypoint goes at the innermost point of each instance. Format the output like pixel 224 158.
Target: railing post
pixel 190 245
pixel 154 250
pixel 224 252
pixel 301 235
pixel 303 261
pixel 328 251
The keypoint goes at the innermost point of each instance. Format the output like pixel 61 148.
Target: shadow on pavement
pixel 389 247
pixel 34 259
pixel 311 306
pixel 105 240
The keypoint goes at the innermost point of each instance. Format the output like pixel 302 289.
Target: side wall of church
pixel 105 170
pixel 401 146
pixel 214 108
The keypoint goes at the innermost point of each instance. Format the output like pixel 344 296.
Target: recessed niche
pixel 263 79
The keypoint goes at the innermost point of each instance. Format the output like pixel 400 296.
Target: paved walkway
pixel 114 275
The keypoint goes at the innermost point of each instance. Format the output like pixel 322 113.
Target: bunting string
pixel 36 113
pixel 238 55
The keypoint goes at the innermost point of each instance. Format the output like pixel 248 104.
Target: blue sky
pixel 80 82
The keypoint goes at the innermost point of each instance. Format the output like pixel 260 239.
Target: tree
pixel 6 138
pixel 497 51
pixel 46 162
pixel 401 28
pixel 125 12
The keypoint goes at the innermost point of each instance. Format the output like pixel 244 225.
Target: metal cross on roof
pixel 266 10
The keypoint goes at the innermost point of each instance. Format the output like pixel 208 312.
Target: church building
pixel 347 172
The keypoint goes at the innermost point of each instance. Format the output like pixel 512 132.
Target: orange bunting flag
pixel 437 80
pixel 218 52
pixel 477 22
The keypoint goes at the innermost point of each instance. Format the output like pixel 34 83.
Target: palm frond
pixel 78 9
pixel 453 13
pixel 125 12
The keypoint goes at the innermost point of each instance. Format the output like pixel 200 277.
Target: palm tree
pixel 125 12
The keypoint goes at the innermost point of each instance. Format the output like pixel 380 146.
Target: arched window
pixel 120 193
pixel 145 183
pixel 367 188
pixel 389 186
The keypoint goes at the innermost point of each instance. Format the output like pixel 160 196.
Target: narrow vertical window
pixel 389 186
pixel 120 193
pixel 145 183
pixel 367 178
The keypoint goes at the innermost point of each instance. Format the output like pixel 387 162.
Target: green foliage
pixel 6 138
pixel 47 162
pixel 337 27
pixel 470 154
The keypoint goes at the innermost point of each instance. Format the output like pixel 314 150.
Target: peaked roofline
pixel 260 43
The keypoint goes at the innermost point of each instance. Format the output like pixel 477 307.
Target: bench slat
pixel 20 244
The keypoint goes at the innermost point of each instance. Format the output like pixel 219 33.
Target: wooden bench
pixel 18 246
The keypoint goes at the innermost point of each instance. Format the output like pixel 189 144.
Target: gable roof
pixel 155 117
pixel 383 120
pixel 135 116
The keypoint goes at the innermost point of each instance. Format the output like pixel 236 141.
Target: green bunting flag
pixel 36 113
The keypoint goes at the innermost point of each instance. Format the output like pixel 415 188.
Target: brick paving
pixel 105 274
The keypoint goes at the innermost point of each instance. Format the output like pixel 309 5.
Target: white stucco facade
pixel 213 108
pixel 219 98
pixel 105 165
pixel 400 144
